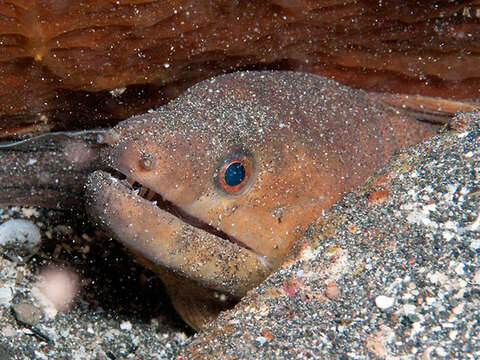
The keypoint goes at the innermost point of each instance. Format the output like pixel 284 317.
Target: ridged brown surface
pixel 60 58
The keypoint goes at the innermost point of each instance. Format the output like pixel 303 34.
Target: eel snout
pixel 159 231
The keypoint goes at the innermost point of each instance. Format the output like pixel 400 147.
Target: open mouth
pixel 159 201
pixel 169 238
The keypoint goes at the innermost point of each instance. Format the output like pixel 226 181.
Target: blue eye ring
pixel 235 173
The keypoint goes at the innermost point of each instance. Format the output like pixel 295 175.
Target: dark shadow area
pixel 110 277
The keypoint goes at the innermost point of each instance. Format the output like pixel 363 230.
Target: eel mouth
pixel 159 201
pixel 170 238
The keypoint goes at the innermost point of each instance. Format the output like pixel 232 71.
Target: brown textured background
pixel 68 64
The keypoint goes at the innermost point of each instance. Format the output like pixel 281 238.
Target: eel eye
pixel 235 173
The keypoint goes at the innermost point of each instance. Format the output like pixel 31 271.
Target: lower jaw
pixel 168 241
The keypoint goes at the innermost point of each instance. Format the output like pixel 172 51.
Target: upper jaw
pixel 197 253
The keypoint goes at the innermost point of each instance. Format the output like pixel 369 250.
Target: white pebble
pixel 453 334
pixel 476 278
pixel 430 300
pixel 475 226
pixel 8 331
pixel 459 269
pixel 261 340
pixel 475 244
pixel 459 308
pixel 5 295
pixel 440 351
pixel 126 325
pixel 384 302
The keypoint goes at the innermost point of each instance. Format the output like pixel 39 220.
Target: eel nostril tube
pixel 110 137
pixel 148 161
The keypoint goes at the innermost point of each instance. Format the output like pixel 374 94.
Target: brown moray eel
pixel 213 189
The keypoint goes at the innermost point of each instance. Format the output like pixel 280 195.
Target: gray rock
pixel 19 239
pixel 27 313
pixel 5 352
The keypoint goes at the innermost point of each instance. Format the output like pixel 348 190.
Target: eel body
pixel 213 189
pixel 219 184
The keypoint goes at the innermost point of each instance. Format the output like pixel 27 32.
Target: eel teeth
pixel 158 200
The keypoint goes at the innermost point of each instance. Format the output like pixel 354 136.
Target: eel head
pixel 215 186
